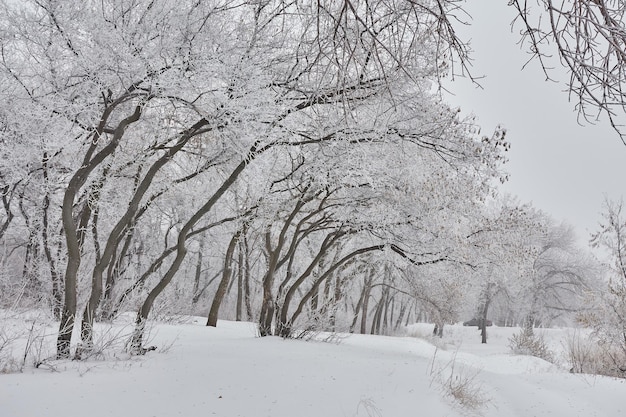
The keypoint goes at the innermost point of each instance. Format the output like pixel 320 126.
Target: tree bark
pixel 483 316
pixel 327 274
pixel 246 279
pixel 223 285
pixel 268 304
pixel 198 272
pixel 240 273
pixel 365 304
pixel 284 325
pixel 357 308
pixel 69 226
pixel 120 227
pixel 398 322
pixel 136 344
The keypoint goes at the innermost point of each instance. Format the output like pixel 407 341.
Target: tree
pixel 160 109
pixel 561 276
pixel 503 242
pixel 609 321
pixel 589 39
pixel 587 36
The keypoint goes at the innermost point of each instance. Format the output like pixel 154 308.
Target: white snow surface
pixel 228 371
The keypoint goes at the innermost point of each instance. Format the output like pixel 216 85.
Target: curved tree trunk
pixel 69 226
pixel 359 303
pixel 117 234
pixel 223 285
pixel 268 305
pixel 136 343
pixel 326 275
pixel 284 325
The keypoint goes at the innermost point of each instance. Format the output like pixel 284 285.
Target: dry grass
pixel 460 384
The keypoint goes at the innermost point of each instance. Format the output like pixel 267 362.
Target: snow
pixel 229 371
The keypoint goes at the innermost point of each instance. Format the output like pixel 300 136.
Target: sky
pixel 561 167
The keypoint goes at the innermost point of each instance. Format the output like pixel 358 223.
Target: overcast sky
pixel 561 167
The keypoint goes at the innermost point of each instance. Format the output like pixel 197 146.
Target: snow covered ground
pixel 227 371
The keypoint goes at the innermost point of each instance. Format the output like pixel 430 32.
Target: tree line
pixel 284 162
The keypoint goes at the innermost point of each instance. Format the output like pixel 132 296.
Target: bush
pixel 526 342
pixel 23 340
pixel 588 355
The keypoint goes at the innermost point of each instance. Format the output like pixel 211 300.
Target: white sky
pixel 561 167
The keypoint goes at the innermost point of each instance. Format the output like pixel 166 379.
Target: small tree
pixel 609 322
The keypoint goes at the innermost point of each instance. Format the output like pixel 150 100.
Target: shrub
pixel 23 340
pixel 589 355
pixel 459 383
pixel 526 342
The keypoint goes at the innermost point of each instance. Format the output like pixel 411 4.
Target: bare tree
pixel 561 276
pixel 609 320
pixel 589 38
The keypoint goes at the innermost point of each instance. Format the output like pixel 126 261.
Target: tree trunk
pixel 69 226
pixel 377 322
pixel 117 234
pixel 483 321
pixel 359 304
pixel 240 272
pixel 401 314
pixel 156 264
pixel 198 272
pixel 45 229
pixel 375 326
pixel 365 304
pixel 246 279
pixel 86 331
pixel 269 303
pixel 114 271
pixel 136 343
pixel 412 307
pixel 284 324
pixel 327 274
pixel 223 285
pixel 388 314
pixel 6 203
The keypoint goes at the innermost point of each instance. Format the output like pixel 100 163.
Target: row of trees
pixel 287 158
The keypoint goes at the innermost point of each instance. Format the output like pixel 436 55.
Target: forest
pixel 287 163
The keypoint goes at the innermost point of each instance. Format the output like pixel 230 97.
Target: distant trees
pixel 504 238
pixel 561 276
pixel 532 272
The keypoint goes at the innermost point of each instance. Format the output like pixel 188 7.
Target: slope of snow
pixel 228 371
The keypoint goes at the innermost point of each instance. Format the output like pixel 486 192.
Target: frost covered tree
pixel 112 81
pixel 146 100
pixel 561 276
pixel 609 320
pixel 589 37
pixel 297 141
pixel 540 275
pixel 504 243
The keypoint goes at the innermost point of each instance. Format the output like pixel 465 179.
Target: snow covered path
pixel 229 372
